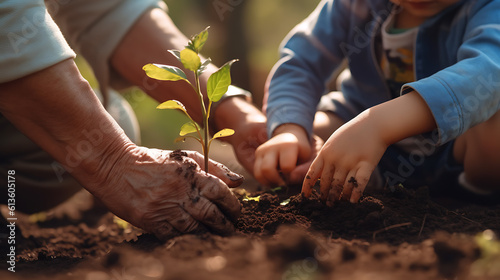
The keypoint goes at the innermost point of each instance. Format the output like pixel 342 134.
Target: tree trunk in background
pixel 227 18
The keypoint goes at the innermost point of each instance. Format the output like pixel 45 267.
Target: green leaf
pixel 176 53
pixel 219 82
pixel 190 60
pixel 189 127
pixel 198 41
pixel 164 72
pixel 204 66
pixel 277 189
pixel 223 133
pixel 172 104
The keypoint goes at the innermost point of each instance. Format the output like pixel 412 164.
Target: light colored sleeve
pixel 94 28
pixel 29 39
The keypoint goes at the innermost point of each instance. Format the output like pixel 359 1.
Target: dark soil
pixel 398 234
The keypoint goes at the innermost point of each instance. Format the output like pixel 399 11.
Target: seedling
pixel 217 86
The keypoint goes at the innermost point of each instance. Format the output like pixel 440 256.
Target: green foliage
pixel 189 128
pixel 164 72
pixel 172 104
pixel 190 60
pixel 219 82
pixel 223 133
pixel 487 264
pixel 198 41
pixel 217 86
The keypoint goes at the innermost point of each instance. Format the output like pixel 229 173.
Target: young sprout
pixel 217 86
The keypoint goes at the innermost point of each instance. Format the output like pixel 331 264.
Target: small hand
pixel 167 193
pixel 279 156
pixel 249 124
pixel 346 161
pixel 247 138
pixel 298 174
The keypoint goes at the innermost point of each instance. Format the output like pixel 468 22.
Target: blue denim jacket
pixel 457 64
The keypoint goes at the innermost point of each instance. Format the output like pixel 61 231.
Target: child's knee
pixel 486 137
pixel 478 149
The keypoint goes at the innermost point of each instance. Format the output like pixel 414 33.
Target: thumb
pixel 299 173
pixel 219 170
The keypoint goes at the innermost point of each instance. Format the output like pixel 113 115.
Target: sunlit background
pixel 250 30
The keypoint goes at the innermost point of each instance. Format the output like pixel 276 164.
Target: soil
pixel 390 234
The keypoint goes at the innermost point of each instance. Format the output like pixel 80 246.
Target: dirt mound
pixel 388 235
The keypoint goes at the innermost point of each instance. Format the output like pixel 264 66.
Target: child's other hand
pixel 346 161
pixel 279 156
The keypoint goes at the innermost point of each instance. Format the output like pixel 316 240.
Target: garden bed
pixel 398 234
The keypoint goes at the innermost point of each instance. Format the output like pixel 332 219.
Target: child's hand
pixel 346 161
pixel 349 156
pixel 280 155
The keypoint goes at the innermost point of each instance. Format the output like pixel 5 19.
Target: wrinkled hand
pixel 167 192
pixel 249 124
pixel 346 161
pixel 248 137
pixel 280 155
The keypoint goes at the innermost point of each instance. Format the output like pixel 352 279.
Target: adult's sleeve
pixel 29 39
pixel 94 28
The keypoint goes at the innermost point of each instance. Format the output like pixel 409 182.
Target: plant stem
pixel 205 120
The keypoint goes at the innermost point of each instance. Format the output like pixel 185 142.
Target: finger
pixel 337 186
pixel 257 171
pixel 222 172
pixel 288 158
pixel 170 221
pixel 269 168
pixel 215 191
pixel 246 157
pixel 163 230
pixel 334 195
pixel 196 157
pixel 325 182
pixel 181 220
pixel 218 169
pixel 207 213
pixel 362 177
pixel 312 176
pixel 299 173
pixel 349 183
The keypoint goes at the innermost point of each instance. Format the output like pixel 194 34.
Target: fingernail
pixel 234 176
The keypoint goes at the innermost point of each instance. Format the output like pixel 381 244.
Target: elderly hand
pixel 167 193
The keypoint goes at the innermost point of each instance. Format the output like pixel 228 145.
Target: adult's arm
pixel 148 41
pixel 160 191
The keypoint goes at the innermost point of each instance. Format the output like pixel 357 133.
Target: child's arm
pixel 349 156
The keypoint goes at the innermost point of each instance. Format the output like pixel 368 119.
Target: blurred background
pixel 249 30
